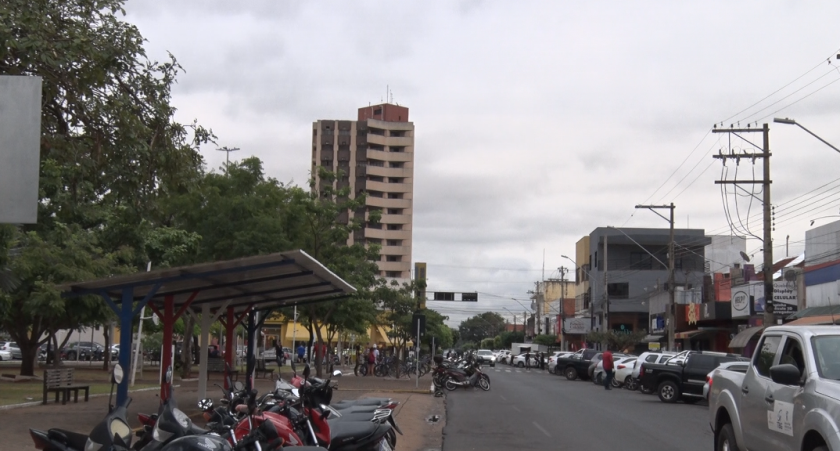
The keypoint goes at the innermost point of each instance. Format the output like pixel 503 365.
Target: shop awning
pixel 653 338
pixel 744 337
pixel 815 320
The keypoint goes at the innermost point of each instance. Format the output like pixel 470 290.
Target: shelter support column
pixel 230 327
pixel 126 315
pixel 166 355
pixel 250 349
pixel 204 343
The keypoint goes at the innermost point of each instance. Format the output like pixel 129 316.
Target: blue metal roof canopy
pixel 238 286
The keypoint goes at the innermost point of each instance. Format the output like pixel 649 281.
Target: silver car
pixel 12 348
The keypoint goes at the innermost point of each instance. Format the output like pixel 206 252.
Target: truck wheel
pixel 726 439
pixel 668 392
pixel 571 373
pixel 630 383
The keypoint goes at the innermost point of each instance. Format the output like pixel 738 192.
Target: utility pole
pixel 606 322
pixel 228 150
pixel 769 317
pixel 562 309
pixel 672 305
pixel 538 318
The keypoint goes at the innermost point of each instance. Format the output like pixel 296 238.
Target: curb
pixel 393 390
pixel 41 403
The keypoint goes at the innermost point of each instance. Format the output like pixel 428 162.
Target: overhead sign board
pixel 747 299
pixel 785 297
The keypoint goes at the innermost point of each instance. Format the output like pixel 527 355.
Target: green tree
pixel 615 340
pixel 508 338
pixel 110 151
pixel 546 340
pixel 481 326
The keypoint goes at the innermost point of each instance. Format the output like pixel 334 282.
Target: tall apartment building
pixel 375 155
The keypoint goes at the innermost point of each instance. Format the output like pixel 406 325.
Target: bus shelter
pixel 229 291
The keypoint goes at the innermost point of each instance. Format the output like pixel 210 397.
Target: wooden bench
pixel 262 369
pixel 217 365
pixel 60 381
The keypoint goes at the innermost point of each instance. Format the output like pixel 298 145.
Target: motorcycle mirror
pixel 117 375
pixel 337 373
pixel 238 386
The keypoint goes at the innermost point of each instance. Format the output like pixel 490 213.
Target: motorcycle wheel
pixel 484 383
pixel 450 384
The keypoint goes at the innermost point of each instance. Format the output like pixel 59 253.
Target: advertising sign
pixel 785 297
pixel 578 326
pixel 747 299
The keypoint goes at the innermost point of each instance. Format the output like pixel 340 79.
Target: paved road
pixel 534 410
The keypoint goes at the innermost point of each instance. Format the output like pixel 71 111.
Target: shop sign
pixel 785 298
pixel 577 326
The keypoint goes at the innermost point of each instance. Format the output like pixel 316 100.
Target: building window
pixel 396 179
pixel 378 225
pixel 376 147
pixel 396 148
pixel 394 196
pixel 377 163
pixel 375 194
pixel 374 241
pixel 394 226
pixel 618 290
pixel 396 164
pixel 393 258
pixel 392 274
pixel 398 133
pixel 376 178
pixel 376 131
pixel 377 111
pixel 395 211
pixel 394 242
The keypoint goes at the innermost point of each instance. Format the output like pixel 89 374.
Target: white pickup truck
pixel 789 398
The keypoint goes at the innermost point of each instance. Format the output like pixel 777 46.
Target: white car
pixel 5 355
pixel 741 367
pixel 552 360
pixel 503 356
pixel 623 371
pixel 599 373
pixel 520 360
pixel 486 356
pixel 650 357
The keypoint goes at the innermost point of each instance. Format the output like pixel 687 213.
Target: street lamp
pixel 790 121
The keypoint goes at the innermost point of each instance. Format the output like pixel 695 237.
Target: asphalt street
pixel 534 410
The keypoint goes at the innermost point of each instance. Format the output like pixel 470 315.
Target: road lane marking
pixel 503 398
pixel 516 409
pixel 541 429
pixel 507 371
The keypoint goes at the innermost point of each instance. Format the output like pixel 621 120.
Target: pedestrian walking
pixel 542 361
pixel 371 359
pixel 301 351
pixel 278 353
pixel 528 360
pixel 607 359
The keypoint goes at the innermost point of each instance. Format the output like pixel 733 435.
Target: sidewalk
pixel 82 417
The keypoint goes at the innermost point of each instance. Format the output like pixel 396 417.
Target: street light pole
pixel 672 305
pixel 789 121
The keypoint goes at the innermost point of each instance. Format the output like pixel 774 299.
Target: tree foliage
pixel 481 326
pixel 616 340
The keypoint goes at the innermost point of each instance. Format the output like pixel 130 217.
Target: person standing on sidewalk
pixel 528 360
pixel 607 359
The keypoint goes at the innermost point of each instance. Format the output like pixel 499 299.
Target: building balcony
pixel 387 125
pixel 384 202
pixel 389 156
pixel 384 171
pixel 386 187
pixel 394 266
pixel 384 234
pixel 395 219
pixel 396 250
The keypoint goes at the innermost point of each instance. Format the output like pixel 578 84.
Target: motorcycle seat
pixel 72 439
pixel 347 431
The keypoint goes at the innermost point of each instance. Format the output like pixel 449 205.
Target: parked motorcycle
pixel 112 432
pixel 466 374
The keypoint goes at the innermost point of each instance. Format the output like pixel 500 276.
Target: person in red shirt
pixel 607 359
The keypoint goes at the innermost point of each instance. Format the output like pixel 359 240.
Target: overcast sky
pixel 536 122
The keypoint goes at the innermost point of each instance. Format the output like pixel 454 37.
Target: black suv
pixel 686 379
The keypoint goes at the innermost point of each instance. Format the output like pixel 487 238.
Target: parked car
pixel 577 365
pixel 649 357
pixel 485 356
pixel 740 367
pixel 623 373
pixel 85 350
pixel 787 399
pixel 590 370
pixel 685 380
pixel 503 357
pixel 552 360
pixel 519 361
pixel 5 355
pixel 12 348
pixel 598 374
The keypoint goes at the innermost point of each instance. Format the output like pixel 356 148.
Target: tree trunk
pixel 106 358
pixel 27 340
pixel 186 347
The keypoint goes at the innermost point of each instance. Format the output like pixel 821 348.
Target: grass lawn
pixel 99 381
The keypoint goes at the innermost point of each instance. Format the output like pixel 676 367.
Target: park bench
pixel 262 369
pixel 217 365
pixel 60 381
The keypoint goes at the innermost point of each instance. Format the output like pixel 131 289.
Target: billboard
pixel 20 148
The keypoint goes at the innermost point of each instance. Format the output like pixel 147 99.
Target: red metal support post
pixel 230 326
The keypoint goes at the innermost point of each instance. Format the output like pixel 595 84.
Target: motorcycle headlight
pixel 91 445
